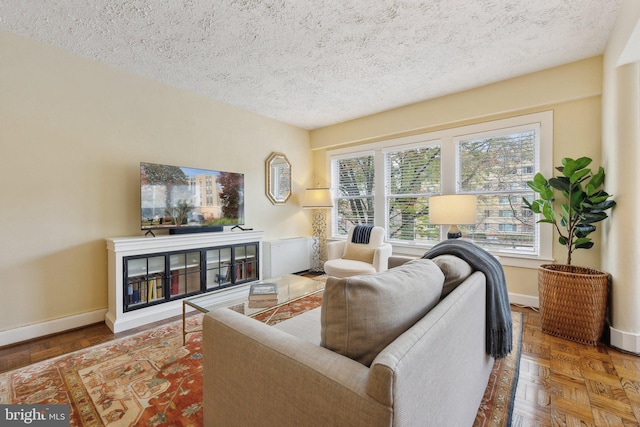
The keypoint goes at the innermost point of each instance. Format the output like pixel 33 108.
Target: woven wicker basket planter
pixel 573 302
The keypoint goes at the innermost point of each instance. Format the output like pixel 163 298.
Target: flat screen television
pixel 183 199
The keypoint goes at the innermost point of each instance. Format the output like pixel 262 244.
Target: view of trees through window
pixel 493 166
pixel 411 176
pixel 496 169
pixel 353 204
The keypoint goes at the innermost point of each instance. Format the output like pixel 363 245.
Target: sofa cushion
pixel 361 315
pixel 455 271
pixel 358 252
pixel 347 267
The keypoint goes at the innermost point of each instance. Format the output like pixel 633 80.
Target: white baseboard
pixel 626 341
pixel 24 333
pixel 526 300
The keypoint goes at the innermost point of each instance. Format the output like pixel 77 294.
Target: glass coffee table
pixel 291 287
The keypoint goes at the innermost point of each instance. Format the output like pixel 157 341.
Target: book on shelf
pixel 159 288
pixel 175 284
pixel 263 291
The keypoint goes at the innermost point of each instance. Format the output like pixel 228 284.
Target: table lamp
pixel 452 210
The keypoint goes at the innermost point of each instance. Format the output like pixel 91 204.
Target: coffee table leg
pixel 184 324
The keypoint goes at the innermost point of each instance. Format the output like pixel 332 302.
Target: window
pixel 495 166
pixel 507 227
pixel 411 176
pixel 353 192
pixel 388 183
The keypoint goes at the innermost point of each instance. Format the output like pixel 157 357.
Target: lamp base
pixel 454 232
pixel 319 246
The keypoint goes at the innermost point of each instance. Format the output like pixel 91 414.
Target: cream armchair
pixel 348 258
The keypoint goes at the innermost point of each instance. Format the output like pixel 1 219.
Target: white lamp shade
pixel 317 198
pixel 452 209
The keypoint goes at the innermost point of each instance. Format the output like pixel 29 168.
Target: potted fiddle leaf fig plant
pixel 573 299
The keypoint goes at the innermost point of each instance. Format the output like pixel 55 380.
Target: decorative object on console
pixel 452 210
pixel 278 178
pixel 318 199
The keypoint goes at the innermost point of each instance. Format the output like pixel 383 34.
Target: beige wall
pixel 621 156
pixel 572 91
pixel 73 133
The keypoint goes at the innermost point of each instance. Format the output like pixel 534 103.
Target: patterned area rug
pixel 150 379
pixel 146 379
pixel 497 403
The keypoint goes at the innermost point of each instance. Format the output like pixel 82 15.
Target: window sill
pixel 506 258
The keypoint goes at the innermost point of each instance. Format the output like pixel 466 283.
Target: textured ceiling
pixel 313 63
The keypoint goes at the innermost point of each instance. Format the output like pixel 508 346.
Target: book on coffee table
pixel 263 303
pixel 263 291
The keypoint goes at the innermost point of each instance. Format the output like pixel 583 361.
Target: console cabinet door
pixel 144 278
pixel 185 274
pixel 157 278
pixel 246 262
pixel 218 265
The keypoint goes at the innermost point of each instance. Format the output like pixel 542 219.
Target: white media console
pixel 150 276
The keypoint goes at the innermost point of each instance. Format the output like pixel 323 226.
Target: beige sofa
pixel 434 373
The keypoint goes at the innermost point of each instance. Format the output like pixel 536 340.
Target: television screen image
pixel 175 197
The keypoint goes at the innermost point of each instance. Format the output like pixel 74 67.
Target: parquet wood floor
pixel 561 383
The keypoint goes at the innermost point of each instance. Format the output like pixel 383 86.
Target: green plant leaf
pixel 591 217
pixel 577 197
pixel 560 183
pixel 568 166
pixel 578 175
pixel 571 166
pixel 536 206
pixel 608 204
pixel 581 241
pixel 586 245
pixel 597 179
pixel 584 230
pixel 540 180
pixel 599 198
pixel 583 162
pixel 548 212
pixel 546 193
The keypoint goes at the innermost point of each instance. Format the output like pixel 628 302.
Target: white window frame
pixel 447 139
pixel 349 155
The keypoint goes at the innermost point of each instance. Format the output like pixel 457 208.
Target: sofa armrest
pixel 258 375
pixel 443 351
pixel 335 249
pixel 397 260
